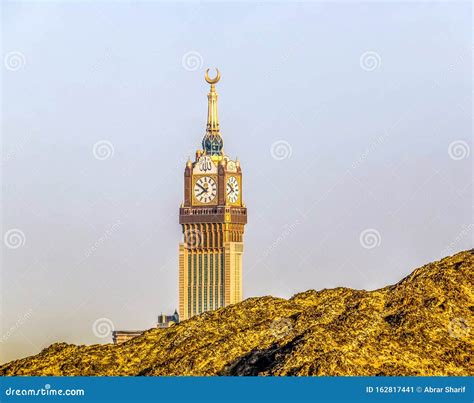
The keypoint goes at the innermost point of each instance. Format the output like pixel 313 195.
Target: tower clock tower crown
pixel 212 217
pixel 212 142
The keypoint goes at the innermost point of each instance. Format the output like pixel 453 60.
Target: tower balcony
pixel 215 214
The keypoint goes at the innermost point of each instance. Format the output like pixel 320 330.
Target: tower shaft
pixel 212 217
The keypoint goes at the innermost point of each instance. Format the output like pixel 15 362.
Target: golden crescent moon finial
pixel 214 80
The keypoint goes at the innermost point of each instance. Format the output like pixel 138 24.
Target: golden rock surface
pixel 419 326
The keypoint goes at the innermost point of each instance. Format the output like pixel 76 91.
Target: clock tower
pixel 212 217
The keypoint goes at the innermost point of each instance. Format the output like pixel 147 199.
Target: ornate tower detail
pixel 212 143
pixel 212 217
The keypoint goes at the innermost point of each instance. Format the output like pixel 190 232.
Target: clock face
pixel 205 189
pixel 232 189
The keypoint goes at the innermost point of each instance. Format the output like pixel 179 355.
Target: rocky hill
pixel 420 326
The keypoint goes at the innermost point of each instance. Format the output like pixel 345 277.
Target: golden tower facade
pixel 212 217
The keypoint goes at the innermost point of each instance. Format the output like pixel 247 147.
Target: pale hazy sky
pixel 367 108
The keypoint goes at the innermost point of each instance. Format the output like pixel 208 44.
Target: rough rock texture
pixel 420 326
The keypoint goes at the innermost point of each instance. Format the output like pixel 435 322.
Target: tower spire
pixel 212 142
pixel 212 117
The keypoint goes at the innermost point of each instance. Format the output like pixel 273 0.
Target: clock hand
pixel 202 187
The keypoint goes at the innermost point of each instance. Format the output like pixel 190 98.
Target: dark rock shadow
pixel 259 361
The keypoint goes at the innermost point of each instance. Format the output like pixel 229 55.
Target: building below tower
pixel 164 321
pixel 121 336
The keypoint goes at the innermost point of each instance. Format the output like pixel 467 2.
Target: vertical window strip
pixel 222 279
pixel 189 268
pixel 211 278
pixel 206 284
pixel 194 285
pixel 200 284
pixel 218 280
